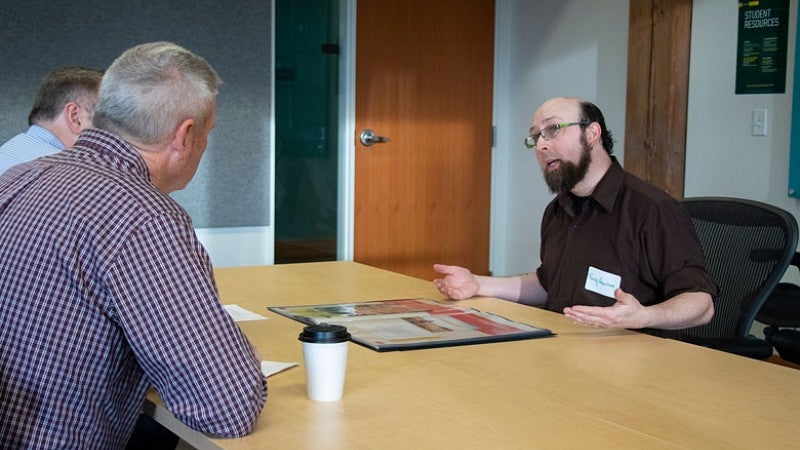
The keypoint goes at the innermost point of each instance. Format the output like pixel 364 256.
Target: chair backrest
pixel 748 245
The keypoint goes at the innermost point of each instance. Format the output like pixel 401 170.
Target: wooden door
pixel 424 73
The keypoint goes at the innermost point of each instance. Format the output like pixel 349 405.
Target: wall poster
pixel 761 47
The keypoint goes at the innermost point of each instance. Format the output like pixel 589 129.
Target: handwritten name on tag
pixel 602 282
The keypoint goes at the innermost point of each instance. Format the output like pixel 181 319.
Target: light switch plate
pixel 759 122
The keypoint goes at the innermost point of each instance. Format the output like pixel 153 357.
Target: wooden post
pixel 657 91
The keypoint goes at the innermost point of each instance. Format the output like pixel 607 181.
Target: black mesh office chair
pixel 781 314
pixel 748 245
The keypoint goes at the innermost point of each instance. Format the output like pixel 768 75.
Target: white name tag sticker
pixel 602 282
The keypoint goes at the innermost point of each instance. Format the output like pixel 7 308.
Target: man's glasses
pixel 549 133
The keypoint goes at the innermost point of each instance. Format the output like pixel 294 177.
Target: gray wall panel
pixel 231 187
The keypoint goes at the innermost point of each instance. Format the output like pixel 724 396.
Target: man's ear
pixel 72 116
pixel 182 140
pixel 594 132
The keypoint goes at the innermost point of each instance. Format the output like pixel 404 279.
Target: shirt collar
pixel 605 193
pixel 114 149
pixel 44 135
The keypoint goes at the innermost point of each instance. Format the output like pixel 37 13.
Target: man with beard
pixel 616 251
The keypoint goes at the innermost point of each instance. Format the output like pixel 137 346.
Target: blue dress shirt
pixel 24 147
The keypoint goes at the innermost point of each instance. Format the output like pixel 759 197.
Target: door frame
pixel 347 128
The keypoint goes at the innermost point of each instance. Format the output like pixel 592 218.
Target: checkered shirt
pixel 106 291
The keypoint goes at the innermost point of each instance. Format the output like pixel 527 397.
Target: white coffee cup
pixel 325 356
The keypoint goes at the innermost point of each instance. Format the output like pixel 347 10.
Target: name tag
pixel 602 282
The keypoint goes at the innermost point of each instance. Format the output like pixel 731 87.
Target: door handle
pixel 368 137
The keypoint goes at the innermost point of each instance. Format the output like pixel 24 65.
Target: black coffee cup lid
pixel 324 333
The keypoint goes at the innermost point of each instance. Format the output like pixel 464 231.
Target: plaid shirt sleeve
pixel 195 356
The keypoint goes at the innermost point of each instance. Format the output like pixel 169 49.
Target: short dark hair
pixel 61 86
pixel 591 113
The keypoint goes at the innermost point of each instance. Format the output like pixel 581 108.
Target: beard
pixel 569 174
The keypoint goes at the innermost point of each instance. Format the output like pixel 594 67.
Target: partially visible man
pixel 616 252
pixel 104 288
pixel 64 107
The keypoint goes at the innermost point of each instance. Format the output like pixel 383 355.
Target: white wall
pixel 545 49
pixel 239 246
pixel 722 158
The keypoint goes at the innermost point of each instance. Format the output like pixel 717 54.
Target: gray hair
pixel 153 87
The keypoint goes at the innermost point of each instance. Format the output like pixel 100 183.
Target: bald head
pixel 562 105
pixel 573 109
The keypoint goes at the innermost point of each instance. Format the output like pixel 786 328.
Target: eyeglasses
pixel 549 133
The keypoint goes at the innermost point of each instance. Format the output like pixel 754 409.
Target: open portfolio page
pixel 413 323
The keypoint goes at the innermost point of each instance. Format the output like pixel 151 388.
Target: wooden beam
pixel 657 91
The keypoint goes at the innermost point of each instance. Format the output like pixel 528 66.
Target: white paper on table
pixel 269 368
pixel 239 314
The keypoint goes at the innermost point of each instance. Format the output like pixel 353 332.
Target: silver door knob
pixel 368 137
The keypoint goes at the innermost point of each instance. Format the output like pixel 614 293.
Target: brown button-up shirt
pixel 629 228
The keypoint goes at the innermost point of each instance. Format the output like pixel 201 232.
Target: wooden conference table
pixel 583 388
